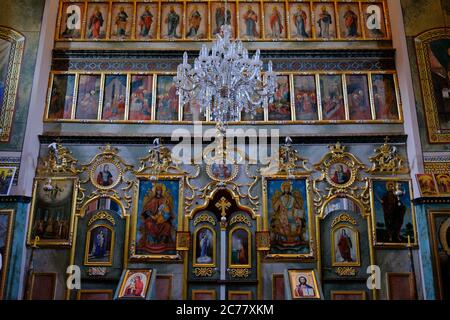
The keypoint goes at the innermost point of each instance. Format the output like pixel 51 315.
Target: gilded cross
pixel 223 205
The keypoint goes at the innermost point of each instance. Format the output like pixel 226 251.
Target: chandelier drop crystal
pixel 225 81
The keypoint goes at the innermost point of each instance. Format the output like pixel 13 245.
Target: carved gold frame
pixel 133 241
pixel 298 176
pixel 53 242
pixel 413 215
pixel 214 244
pixel 17 41
pixel 9 231
pixel 33 277
pixel 148 272
pixel 87 246
pixel 365 213
pixel 435 134
pixel 291 75
pixel 287 23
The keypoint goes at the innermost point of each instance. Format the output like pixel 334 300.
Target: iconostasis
pixel 140 225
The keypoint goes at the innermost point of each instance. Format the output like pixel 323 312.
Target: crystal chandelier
pixel 225 81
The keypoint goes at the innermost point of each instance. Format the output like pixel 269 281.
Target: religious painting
pixel 135 284
pixel 287 205
pixel 393 213
pixel 374 21
pixel 96 20
pixel 88 97
pixel 433 56
pixel 105 174
pixel 278 292
pixel 332 97
pixel 348 295
pixel 219 18
pixel 147 21
pixel 427 185
pixel 324 20
pixel 122 18
pixel 345 246
pixel 439 222
pixel 239 248
pixel 196 21
pixel 249 20
pixel 6 229
pixel 171 20
pixel 192 112
pixel 61 96
pixel 114 97
pixel 11 50
pixel 300 23
pixel 349 20
pixel 71 18
pixel 443 183
pixel 239 295
pixel 141 97
pixel 305 97
pixel 167 101
pixel 250 117
pixel 157 217
pixel 358 97
pixel 222 171
pixel 303 284
pixel 274 20
pixel 6 179
pixel 99 249
pixel 204 295
pixel 52 211
pixel 280 107
pixel 385 97
pixel 204 247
